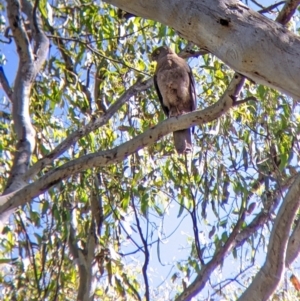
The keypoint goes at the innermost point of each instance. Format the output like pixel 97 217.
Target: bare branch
pixel 40 40
pixel 20 98
pixel 20 36
pixel 29 64
pixel 5 85
pixel 197 285
pixel 269 8
pixel 188 51
pixel 287 11
pixel 145 250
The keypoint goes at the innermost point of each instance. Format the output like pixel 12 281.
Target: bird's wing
pixel 185 71
pixel 165 109
pixel 192 89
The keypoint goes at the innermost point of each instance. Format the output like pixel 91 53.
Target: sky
pixel 169 252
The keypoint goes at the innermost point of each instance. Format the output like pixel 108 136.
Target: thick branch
pixel 86 289
pixel 20 36
pixel 118 154
pixel 245 40
pixel 138 87
pixel 29 64
pixel 293 248
pixel 269 276
pixel 24 130
pixel 40 40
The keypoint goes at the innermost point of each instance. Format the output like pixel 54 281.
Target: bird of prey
pixel 175 87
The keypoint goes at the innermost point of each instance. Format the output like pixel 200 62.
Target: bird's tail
pixel 183 141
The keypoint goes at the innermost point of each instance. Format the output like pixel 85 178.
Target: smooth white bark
pixel 31 60
pixel 248 42
pixel 269 276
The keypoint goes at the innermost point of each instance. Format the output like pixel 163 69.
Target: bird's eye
pixel 158 52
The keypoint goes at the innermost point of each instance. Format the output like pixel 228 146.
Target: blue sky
pixel 171 251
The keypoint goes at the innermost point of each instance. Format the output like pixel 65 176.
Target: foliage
pixel 174 211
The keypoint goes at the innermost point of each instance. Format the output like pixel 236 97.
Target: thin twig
pixel 5 85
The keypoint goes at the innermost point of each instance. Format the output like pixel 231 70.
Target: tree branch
pixel 269 276
pixel 29 64
pixel 287 11
pixel 86 288
pixel 145 250
pixel 93 125
pixel 269 8
pixel 20 97
pixel 195 287
pixel 118 154
pixel 211 24
pixel 5 85
pixel 270 205
pixel 293 247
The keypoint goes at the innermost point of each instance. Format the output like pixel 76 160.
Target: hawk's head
pixel 160 52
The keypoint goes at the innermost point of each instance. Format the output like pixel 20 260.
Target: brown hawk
pixel 175 87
